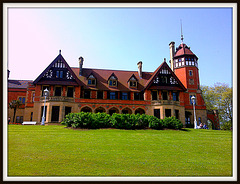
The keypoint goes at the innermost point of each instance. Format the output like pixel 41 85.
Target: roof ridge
pixel 110 69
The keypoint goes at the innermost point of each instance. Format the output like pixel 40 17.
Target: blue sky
pixel 117 38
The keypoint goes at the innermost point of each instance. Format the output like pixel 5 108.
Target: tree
pixel 219 97
pixel 14 104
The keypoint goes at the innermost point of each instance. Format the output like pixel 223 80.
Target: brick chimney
pixel 80 65
pixel 139 64
pixel 172 53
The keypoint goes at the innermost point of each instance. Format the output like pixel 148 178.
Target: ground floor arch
pixel 113 110
pixel 139 111
pixel 86 109
pixel 100 109
pixel 126 110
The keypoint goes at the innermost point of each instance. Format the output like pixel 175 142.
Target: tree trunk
pixel 14 113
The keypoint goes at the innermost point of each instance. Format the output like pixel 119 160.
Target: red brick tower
pixel 184 63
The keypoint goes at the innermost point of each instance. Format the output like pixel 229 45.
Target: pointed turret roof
pixel 182 50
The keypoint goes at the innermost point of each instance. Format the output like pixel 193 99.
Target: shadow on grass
pixel 185 130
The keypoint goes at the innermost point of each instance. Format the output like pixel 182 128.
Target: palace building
pixel 163 93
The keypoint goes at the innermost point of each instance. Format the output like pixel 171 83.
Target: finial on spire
pixel 181 31
pixel 59 51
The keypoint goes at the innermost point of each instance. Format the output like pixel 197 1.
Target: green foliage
pixel 119 121
pixel 226 126
pixel 172 123
pixel 219 97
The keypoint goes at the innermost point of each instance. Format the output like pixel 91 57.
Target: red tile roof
pixel 102 76
pixel 183 49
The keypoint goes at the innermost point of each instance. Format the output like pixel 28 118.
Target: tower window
pixel 191 81
pixel 190 73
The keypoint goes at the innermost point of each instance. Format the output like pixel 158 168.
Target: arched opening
pixel 86 109
pixel 113 110
pixel 126 111
pixel 100 109
pixel 139 111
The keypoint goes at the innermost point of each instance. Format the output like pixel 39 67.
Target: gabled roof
pixel 59 57
pixel 112 75
pixel 133 76
pixel 183 49
pixel 164 65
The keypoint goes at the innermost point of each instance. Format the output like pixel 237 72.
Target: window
pixel 163 79
pixel 124 96
pixel 22 100
pixel 91 80
pixel 33 96
pixel 154 95
pixel 133 83
pixel 100 95
pixel 177 114
pixel 58 91
pixel 19 119
pixel 138 96
pixel 57 74
pixel 165 95
pixel 175 96
pixel 167 112
pixel 68 110
pixel 61 74
pixel 70 92
pixel 156 113
pixel 191 81
pixel 112 95
pixel 112 82
pixel 87 94
pixel 190 73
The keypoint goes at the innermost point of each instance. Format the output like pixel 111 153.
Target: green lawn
pixel 57 151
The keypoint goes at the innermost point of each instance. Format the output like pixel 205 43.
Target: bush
pixel 155 123
pixel 119 121
pixel 172 123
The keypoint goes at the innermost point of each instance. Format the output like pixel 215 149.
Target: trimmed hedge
pixel 119 121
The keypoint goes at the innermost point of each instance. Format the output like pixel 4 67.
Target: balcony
pixel 165 102
pixel 58 99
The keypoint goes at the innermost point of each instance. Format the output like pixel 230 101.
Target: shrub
pixel 172 123
pixel 119 121
pixel 155 123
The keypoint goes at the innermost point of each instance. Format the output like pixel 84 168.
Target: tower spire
pixel 181 31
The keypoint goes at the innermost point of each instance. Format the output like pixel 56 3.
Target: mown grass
pixel 57 151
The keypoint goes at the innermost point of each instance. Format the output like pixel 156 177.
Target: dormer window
pixel 132 82
pixel 112 81
pixel 91 80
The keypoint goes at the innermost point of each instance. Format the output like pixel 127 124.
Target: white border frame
pixel 119 5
